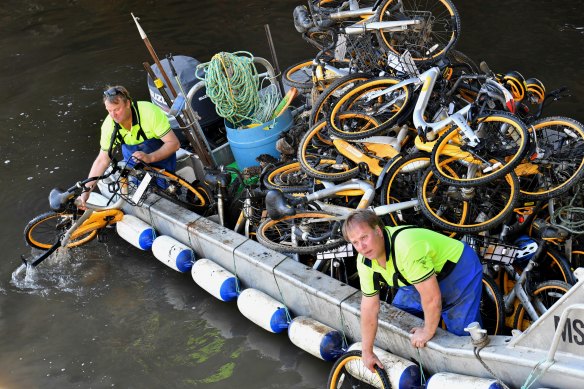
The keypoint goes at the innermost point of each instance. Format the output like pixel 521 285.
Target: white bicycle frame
pixel 431 129
pixel 354 184
pixel 365 25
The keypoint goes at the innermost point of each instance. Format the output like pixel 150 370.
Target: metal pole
pixel 274 58
pixel 154 56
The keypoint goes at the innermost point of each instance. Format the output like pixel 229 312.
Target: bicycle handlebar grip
pixel 302 20
pixel 58 198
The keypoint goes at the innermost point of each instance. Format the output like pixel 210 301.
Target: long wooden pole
pixel 154 56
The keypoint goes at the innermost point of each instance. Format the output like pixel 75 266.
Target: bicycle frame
pixel 94 218
pixel 430 130
pixel 365 25
pixel 381 146
pixel 518 292
pixel 368 191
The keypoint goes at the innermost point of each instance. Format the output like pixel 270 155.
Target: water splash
pixel 65 270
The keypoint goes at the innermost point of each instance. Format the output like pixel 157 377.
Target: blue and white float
pixel 318 339
pixel 402 373
pixel 136 232
pixel 219 282
pixel 459 381
pixel 173 253
pixel 263 310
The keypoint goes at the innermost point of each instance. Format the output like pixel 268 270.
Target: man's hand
pixel 420 336
pixel 142 156
pixel 82 199
pixel 370 360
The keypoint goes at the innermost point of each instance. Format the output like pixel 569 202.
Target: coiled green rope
pixel 233 85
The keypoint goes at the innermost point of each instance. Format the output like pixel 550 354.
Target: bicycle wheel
pixel 543 297
pixel 401 184
pixel 503 141
pixel 349 372
pixel 43 231
pixel 554 267
pixel 332 93
pixel 320 159
pixel 306 74
pixel 492 312
pixel 299 75
pixel 307 232
pixel 321 39
pixel 556 159
pixel 436 32
pixel 288 177
pixel 466 209
pixel 386 108
pixel 195 197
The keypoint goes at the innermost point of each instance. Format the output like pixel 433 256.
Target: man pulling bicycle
pixel 140 127
pixel 437 276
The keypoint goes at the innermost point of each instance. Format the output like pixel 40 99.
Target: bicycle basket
pixel 363 54
pixel 492 249
pixel 344 251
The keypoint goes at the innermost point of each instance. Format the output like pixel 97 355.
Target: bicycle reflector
pixel 526 248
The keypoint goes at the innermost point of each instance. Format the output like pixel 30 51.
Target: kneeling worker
pixel 140 127
pixel 437 276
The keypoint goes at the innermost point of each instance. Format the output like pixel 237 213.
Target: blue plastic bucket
pixel 248 143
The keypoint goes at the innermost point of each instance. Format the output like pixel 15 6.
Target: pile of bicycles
pixel 400 121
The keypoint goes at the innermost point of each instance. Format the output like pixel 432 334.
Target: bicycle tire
pixel 320 159
pixel 44 230
pixel 277 234
pixel 332 93
pixel 492 311
pixel 556 162
pixel 299 75
pixel 467 209
pixel 177 190
pixel 548 292
pixel 555 267
pixel 288 177
pixel 578 258
pixel 387 109
pixel 501 152
pixel 432 40
pixel 401 184
pixel 320 39
pixel 349 369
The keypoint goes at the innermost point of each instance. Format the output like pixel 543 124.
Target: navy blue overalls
pixel 147 146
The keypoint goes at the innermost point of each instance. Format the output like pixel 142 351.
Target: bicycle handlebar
pixel 58 198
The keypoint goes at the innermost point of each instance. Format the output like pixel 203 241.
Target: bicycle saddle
pixel 58 198
pixel 277 206
pixel 214 178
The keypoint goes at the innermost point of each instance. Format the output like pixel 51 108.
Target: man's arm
pixel 431 299
pixel 170 146
pixel 97 169
pixel 369 317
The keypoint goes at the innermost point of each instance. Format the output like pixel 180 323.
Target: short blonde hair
pixel 115 93
pixel 359 216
